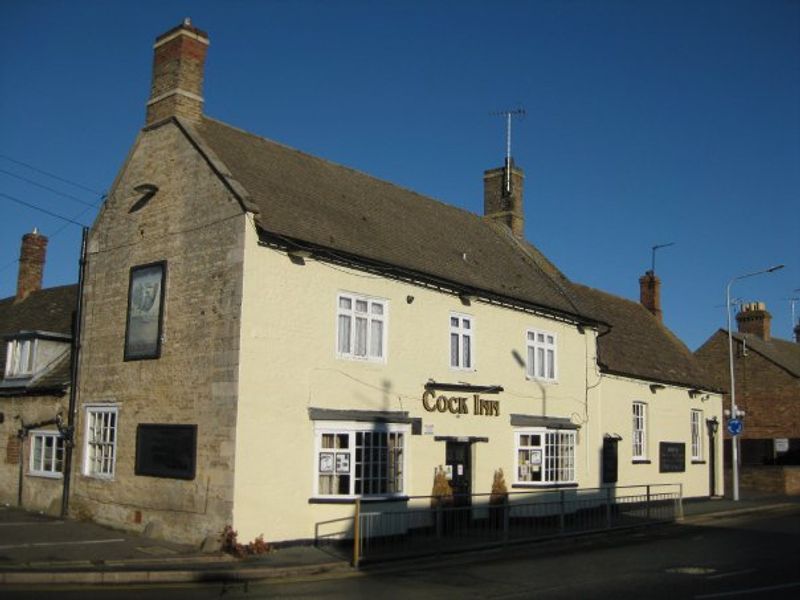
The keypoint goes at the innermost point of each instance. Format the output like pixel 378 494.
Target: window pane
pixel 551 367
pixel 361 306
pixel 345 303
pixel 454 350
pixel 454 322
pixel 467 323
pixel 344 334
pixel 376 339
pixel 377 308
pixel 361 337
pixel 466 340
pixel 540 362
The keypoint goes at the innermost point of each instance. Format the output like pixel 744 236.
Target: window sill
pixel 641 461
pixel 698 462
pixel 361 359
pixel 351 500
pixel 45 475
pixel 541 380
pixel 539 486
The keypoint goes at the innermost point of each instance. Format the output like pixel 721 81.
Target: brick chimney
pixel 650 293
pixel 178 61
pixel 502 197
pixel 755 319
pixel 31 264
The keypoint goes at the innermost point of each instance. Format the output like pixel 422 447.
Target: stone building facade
pixel 268 336
pixel 35 351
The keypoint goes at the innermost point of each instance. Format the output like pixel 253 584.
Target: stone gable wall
pixel 196 226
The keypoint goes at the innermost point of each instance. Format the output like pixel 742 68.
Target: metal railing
pixel 423 525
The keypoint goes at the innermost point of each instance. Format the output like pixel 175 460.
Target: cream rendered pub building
pixel 269 336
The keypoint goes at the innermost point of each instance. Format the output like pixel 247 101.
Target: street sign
pixel 735 426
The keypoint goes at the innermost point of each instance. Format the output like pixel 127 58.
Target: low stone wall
pixel 771 479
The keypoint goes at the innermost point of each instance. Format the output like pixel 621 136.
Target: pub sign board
pixel 166 450
pixel 671 457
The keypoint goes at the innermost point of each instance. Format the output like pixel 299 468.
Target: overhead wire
pixel 49 189
pixel 49 174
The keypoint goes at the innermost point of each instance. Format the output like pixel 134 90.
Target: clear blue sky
pixel 648 122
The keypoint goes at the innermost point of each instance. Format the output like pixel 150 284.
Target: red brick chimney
pixel 178 61
pixel 31 264
pixel 755 319
pixel 502 197
pixel 650 293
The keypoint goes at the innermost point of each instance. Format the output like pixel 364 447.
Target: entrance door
pixel 458 456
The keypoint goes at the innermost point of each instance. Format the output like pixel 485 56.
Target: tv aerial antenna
pixel 519 113
pixel 653 260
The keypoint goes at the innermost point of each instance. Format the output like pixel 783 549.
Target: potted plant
pixel 441 498
pixel 498 500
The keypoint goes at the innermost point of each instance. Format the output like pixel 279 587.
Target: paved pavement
pixel 35 549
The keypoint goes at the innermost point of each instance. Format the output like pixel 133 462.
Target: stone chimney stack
pixel 755 319
pixel 502 197
pixel 31 264
pixel 797 332
pixel 650 293
pixel 178 61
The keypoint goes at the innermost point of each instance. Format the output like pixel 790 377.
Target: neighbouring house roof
pixel 638 344
pixel 303 199
pixel 47 310
pixel 783 353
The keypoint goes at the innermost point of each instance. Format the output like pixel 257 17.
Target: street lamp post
pixel 734 409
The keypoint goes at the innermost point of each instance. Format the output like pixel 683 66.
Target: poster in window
pixel 342 462
pixel 536 457
pixel 145 311
pixel 166 450
pixel 326 462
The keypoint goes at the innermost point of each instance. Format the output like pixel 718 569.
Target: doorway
pixel 458 457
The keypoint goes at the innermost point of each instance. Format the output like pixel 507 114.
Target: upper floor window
pixel 361 327
pixel 461 334
pixel 20 358
pixel 639 436
pixel 697 436
pixel 47 453
pixel 100 453
pixel 542 356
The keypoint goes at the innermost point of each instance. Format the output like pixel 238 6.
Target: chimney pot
pixel 755 319
pixel 650 293
pixel 502 197
pixel 179 57
pixel 31 264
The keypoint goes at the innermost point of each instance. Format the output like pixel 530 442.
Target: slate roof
pixel 303 199
pixel 306 198
pixel 47 310
pixel 638 344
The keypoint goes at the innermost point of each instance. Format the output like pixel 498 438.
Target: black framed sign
pixel 145 311
pixel 671 457
pixel 166 450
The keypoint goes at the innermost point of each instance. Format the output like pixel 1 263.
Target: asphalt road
pixel 748 557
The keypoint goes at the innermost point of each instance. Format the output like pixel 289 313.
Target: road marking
pixel 19 523
pixel 75 543
pixel 731 574
pixel 768 588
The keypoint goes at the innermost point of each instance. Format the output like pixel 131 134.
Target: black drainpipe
pixel 69 430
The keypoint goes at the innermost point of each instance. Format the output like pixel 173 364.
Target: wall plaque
pixel 671 457
pixel 166 450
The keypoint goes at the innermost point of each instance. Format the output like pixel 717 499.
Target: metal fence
pixel 422 525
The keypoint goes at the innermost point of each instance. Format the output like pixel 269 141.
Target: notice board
pixel 166 450
pixel 671 457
